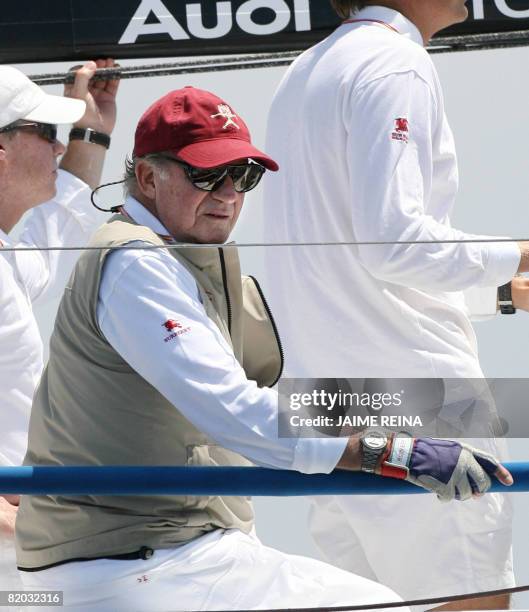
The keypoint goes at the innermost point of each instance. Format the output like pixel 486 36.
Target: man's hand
pixel 8 515
pixel 520 292
pixel 85 159
pixel 100 96
pixel 453 470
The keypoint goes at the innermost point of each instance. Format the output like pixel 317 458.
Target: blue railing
pixel 204 481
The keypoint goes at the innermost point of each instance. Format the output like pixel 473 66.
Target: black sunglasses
pixel 245 177
pixel 48 131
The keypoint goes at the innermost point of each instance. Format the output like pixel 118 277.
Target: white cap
pixel 20 98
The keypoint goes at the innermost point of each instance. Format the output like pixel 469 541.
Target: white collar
pixel 142 216
pixel 393 18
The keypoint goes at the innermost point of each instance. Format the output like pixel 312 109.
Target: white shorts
pixel 417 545
pixel 224 570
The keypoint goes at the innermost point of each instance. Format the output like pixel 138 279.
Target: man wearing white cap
pixel 28 177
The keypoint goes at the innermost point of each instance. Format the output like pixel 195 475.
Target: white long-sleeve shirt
pixel 68 220
pixel 197 371
pixel 366 154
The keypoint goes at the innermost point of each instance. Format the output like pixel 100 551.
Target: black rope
pixel 400 604
pixel 479 42
pixel 445 44
pixel 239 62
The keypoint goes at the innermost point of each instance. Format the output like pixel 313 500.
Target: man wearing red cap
pixel 162 354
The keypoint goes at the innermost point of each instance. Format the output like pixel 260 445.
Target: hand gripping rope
pixel 129 480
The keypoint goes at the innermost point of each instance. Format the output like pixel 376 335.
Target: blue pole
pixel 203 481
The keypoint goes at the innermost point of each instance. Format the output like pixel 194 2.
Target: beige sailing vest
pixel 92 408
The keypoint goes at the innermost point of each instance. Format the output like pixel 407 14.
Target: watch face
pixel 375 441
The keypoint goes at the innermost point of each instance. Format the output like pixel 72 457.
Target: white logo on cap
pixel 226 113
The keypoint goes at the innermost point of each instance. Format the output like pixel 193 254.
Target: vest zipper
pixel 225 283
pixel 274 327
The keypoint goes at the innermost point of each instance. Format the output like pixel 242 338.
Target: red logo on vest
pixel 171 324
pixel 402 128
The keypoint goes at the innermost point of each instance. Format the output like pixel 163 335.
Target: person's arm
pixel 391 184
pixel 85 159
pixel 195 369
pixel 69 219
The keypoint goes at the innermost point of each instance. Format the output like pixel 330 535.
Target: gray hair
pixel 130 182
pixel 345 7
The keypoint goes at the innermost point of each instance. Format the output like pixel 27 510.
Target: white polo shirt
pixel 366 154
pixel 25 278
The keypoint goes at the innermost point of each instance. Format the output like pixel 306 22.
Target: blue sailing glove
pixel 450 469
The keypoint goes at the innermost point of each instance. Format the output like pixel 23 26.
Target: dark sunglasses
pixel 48 131
pixel 245 177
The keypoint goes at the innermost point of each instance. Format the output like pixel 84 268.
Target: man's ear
pixel 3 153
pixel 145 179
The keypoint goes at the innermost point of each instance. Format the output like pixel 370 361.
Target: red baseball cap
pixel 197 127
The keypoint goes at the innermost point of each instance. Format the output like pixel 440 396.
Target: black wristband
pixel 90 135
pixel 505 299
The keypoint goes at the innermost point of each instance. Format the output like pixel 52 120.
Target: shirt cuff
pixel 318 455
pixel 503 260
pixel 481 302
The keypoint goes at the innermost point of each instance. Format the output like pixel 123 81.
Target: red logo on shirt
pixel 171 324
pixel 401 125
pixel 402 128
pixel 175 329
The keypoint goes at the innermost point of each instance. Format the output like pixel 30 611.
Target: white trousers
pixel 224 570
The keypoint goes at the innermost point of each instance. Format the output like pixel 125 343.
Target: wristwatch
pixel 505 299
pixel 374 445
pixel 90 135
